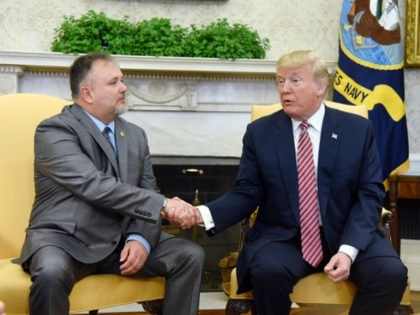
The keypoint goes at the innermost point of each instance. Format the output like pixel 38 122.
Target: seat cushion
pixel 93 292
pixel 313 290
pixel 326 291
pixel 14 287
pixel 303 291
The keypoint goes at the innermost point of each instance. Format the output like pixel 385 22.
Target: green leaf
pixel 157 37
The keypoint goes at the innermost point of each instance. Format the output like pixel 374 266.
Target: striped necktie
pixel 308 201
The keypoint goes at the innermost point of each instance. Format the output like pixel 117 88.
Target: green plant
pixel 91 32
pixel 221 40
pixel 157 37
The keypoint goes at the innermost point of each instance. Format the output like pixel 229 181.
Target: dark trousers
pixel 380 280
pixel 54 272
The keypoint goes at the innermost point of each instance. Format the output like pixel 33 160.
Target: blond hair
pixel 300 57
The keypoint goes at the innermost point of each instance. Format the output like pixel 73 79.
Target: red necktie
pixel 308 202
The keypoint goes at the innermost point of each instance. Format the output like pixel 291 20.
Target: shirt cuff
pixel 139 238
pixel 206 216
pixel 350 251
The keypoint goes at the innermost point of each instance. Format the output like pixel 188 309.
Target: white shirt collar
pixel 100 124
pixel 315 121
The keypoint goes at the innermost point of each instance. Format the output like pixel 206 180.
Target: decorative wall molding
pixel 217 69
pixel 162 94
pixel 142 64
pixel 9 78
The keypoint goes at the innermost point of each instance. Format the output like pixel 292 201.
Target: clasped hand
pixel 181 213
pixel 338 268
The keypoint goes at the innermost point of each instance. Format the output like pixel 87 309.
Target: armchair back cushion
pixel 258 111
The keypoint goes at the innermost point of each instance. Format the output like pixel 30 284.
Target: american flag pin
pixel 334 136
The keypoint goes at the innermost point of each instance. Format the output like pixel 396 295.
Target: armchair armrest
pixel 385 224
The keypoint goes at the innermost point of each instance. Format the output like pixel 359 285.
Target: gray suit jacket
pixel 86 202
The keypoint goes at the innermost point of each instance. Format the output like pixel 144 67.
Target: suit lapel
pixel 93 130
pixel 329 143
pixel 287 157
pixel 121 139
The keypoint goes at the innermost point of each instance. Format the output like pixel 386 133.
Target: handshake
pixel 181 213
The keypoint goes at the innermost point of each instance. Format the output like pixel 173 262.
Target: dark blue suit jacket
pixel 350 188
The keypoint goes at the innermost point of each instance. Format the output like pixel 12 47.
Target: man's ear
pixel 321 89
pixel 86 94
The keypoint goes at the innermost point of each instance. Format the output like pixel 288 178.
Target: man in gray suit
pixel 97 208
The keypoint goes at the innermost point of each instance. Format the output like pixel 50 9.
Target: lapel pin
pixel 334 136
pixel 122 133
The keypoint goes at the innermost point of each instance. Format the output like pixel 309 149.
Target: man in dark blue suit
pixel 348 199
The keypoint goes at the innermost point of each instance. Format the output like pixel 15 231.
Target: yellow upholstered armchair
pixel 19 115
pixel 314 294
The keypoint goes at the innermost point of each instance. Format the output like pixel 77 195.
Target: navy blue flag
pixel 370 72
